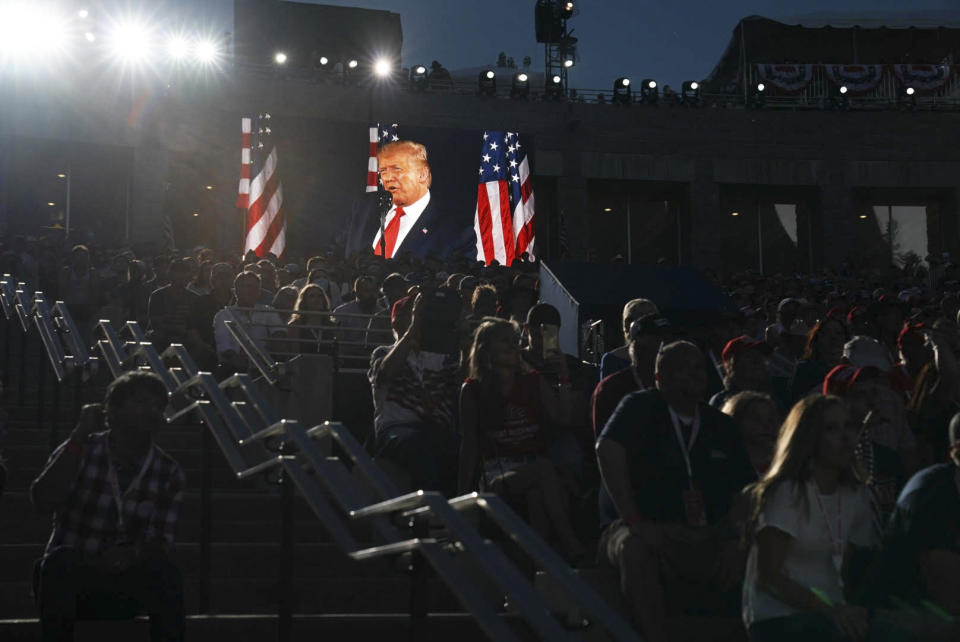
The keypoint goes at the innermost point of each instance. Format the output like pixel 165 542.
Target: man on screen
pixel 414 224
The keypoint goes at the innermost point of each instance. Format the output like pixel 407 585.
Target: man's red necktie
pixel 390 234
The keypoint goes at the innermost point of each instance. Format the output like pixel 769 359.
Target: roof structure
pixel 874 38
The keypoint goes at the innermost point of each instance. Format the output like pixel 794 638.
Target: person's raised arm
pixel 55 482
pixel 410 341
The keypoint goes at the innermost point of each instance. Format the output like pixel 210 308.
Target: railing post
pixel 41 380
pixel 54 415
pixel 419 583
pixel 206 519
pixel 22 383
pixel 287 556
pixel 6 354
pixel 77 394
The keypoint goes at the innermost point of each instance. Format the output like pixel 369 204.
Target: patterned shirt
pixel 89 520
pixel 425 391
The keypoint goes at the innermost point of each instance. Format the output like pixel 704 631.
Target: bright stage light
pixel 843 89
pixel 382 67
pixel 761 87
pixel 89 36
pixel 206 52
pixel 129 42
pixel 353 63
pixel 556 80
pixel 178 48
pixel 910 91
pixel 83 13
pixel 30 31
pixel 324 60
pixel 280 58
pixel 490 74
pixel 568 63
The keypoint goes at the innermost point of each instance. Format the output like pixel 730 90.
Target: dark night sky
pixel 669 41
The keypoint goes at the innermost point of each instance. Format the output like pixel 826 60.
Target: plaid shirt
pixel 88 519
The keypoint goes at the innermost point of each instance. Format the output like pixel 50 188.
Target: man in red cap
pixel 745 362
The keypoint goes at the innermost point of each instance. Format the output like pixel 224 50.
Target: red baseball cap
pixel 839 380
pixel 740 345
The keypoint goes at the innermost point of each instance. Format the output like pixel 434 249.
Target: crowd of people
pixel 794 458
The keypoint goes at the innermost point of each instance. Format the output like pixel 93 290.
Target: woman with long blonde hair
pixel 808 509
pixel 503 411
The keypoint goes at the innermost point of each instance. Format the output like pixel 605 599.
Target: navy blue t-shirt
pixel 641 424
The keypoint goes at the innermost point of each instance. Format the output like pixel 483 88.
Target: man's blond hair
pixel 415 151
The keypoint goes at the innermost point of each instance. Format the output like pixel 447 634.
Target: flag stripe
pixel 506 224
pixel 262 194
pixel 482 226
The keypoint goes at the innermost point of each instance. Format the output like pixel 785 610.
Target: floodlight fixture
pixel 206 51
pixel 734 213
pixel 61 175
pixel 129 42
pixel 910 91
pixel 382 68
pixel 324 61
pixel 83 14
pixel 621 91
pixel 649 92
pixel 566 9
pixel 756 98
pixel 554 88
pixel 89 36
pixel 690 92
pixel 280 58
pixel 520 87
pixel 352 63
pixel 843 89
pixel 178 48
pixel 487 82
pixel 568 63
pixel 418 78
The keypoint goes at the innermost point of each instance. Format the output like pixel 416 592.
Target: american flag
pixel 505 217
pixel 260 193
pixel 379 135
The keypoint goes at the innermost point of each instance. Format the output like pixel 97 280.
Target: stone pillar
pixel 698 225
pixel 572 203
pixel 833 229
pixel 149 192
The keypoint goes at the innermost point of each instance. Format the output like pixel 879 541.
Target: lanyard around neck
pixel 686 447
pixel 115 483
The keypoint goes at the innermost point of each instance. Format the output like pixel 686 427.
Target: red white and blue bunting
pixel 858 79
pixel 923 77
pixel 787 78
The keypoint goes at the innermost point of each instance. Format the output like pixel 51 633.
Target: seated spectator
pixel 646 336
pixel 503 414
pixel 782 362
pixel 172 308
pixel 354 316
pixel 922 560
pixel 823 351
pixel 672 468
pixel 618 359
pixel 484 302
pixel 200 285
pixel 284 300
pixel 260 322
pixel 808 510
pixel 935 394
pixel 745 363
pixel 886 447
pixel 311 329
pixel 416 383
pixel 100 562
pixel 758 418
pixel 787 312
pixel 915 353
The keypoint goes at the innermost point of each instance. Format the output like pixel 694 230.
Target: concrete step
pixel 245 595
pixel 263 628
pixel 231 561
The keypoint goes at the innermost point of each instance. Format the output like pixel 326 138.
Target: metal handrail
pixel 241 429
